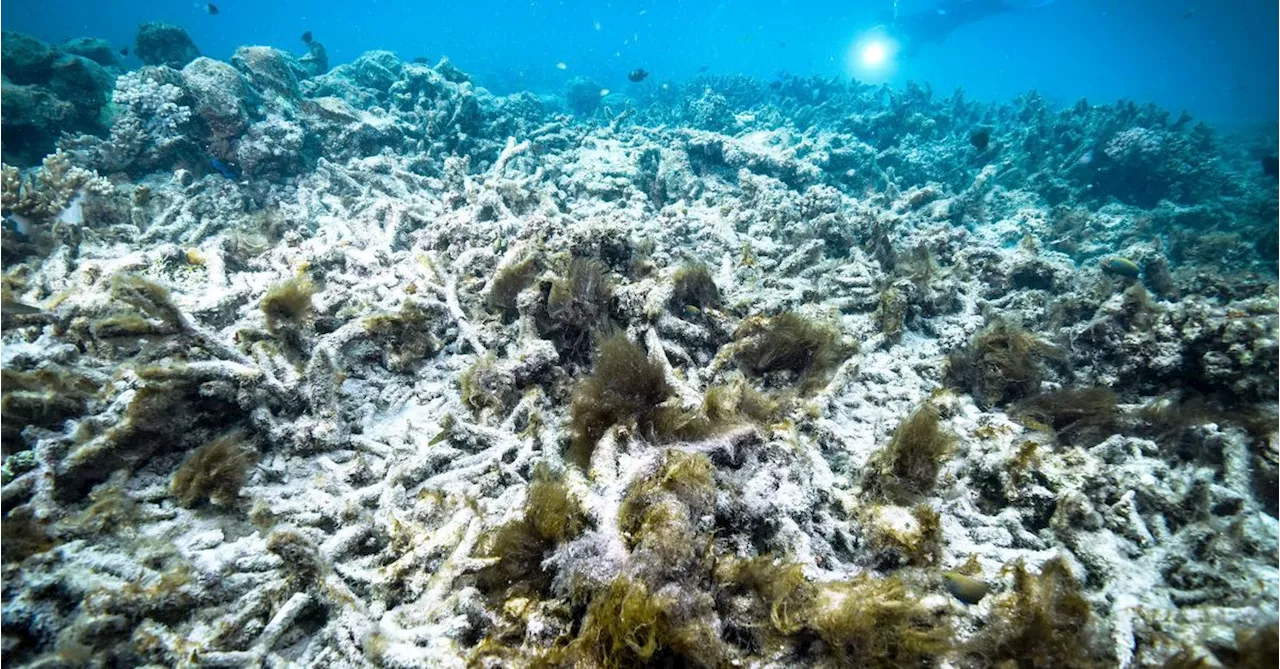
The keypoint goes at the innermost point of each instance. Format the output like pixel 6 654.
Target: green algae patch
pixel 862 622
pixel 907 468
pixel 630 625
pixel 22 535
pixel 43 398
pixel 1078 416
pixel 904 537
pixel 483 386
pixel 215 472
pixel 552 516
pixel 1003 363
pixel 688 478
pixel 1043 621
pixel 781 586
pixel 404 337
pixel 624 386
pixel 577 307
pixel 803 348
pixel 508 283
pixel 287 304
pixel 877 623
pixel 693 287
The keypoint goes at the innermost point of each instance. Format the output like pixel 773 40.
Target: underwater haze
pixel 1216 60
pixel 930 334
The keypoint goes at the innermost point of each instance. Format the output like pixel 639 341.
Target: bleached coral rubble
pixel 739 374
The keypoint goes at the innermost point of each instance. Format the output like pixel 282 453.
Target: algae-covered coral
pixel 372 366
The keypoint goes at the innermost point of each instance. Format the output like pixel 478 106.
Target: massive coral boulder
pixel 270 70
pixel 220 97
pixel 28 113
pixel 49 91
pixel 159 43
pixel 98 50
pixel 25 59
pixel 82 82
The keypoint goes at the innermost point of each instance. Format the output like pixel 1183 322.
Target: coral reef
pixel 365 365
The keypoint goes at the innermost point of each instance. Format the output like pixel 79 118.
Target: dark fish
pixel 422 59
pixel 637 75
pixel 1271 165
pixel 704 68
pixel 1121 266
pixel 212 9
pixel 124 51
pixel 965 588
pixel 224 169
pixel 306 37
pixel 980 138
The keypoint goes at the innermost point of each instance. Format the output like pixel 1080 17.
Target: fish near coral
pixel 1271 165
pixel 967 589
pixel 980 138
pixel 226 170
pixel 1121 267
pixel 14 308
pixel 638 75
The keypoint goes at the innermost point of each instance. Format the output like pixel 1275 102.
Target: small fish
pixel 421 60
pixel 637 75
pixel 224 169
pixel 18 223
pixel 775 84
pixel 967 589
pixel 980 138
pixel 596 25
pixel 561 66
pixel 1271 165
pixel 14 308
pixel 604 92
pixel 124 51
pixel 1121 266
pixel 306 37
pixel 704 68
pixel 212 9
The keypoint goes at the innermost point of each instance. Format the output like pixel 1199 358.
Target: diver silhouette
pixel 938 22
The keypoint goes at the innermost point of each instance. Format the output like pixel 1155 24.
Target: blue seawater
pixel 1216 60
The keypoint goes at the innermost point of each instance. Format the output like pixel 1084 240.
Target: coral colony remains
pixel 367 366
